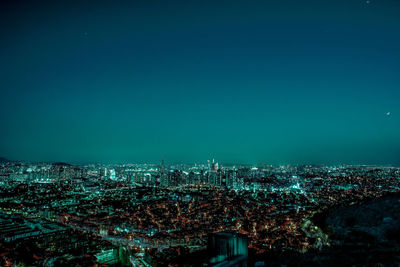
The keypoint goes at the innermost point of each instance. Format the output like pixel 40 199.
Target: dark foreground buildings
pixel 228 249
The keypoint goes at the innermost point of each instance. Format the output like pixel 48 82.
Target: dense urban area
pixel 58 214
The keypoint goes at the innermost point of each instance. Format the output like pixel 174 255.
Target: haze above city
pixel 273 82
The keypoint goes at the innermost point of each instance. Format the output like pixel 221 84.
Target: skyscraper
pixel 228 249
pixel 163 176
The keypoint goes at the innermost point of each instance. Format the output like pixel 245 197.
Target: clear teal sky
pixel 272 81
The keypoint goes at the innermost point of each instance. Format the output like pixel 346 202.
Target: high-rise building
pixel 190 179
pixel 231 179
pixel 213 166
pixel 112 174
pixel 163 175
pixel 228 249
pixel 174 178
pixel 162 169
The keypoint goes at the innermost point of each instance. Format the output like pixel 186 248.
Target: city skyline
pixel 310 82
pixel 177 164
pixel 200 133
pixel 58 214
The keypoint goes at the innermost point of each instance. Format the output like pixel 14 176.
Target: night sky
pixel 243 82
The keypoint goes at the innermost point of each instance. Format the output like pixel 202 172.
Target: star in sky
pixel 388 113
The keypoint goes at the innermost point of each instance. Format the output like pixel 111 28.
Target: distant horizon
pixel 199 162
